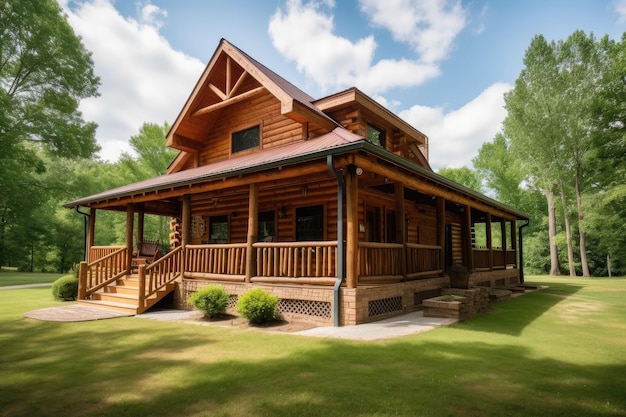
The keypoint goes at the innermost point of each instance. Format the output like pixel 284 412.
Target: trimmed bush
pixel 65 288
pixel 212 300
pixel 258 306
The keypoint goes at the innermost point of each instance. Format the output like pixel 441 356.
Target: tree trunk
pixel 581 230
pixel 568 233
pixel 555 268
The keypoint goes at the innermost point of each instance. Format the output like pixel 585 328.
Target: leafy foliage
pixel 65 288
pixel 258 306
pixel 212 300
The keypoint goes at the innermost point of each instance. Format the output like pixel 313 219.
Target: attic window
pixel 245 139
pixel 375 136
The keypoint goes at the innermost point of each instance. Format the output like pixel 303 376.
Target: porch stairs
pixel 123 296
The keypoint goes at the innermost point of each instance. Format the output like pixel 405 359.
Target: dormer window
pixel 375 136
pixel 245 139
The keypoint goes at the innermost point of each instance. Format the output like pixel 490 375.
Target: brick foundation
pixel 314 304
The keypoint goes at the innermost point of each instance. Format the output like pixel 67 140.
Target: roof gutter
pixel 340 246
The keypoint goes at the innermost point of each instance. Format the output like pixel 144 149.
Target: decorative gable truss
pixel 232 77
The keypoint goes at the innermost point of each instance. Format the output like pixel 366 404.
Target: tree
pixel 44 73
pixel 464 176
pixel 550 124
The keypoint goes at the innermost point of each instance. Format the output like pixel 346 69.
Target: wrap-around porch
pixel 393 234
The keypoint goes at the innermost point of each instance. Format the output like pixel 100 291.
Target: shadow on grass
pixel 131 369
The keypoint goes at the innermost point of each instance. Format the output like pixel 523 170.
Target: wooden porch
pixel 111 279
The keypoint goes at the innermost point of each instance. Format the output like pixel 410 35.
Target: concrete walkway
pixel 21 287
pixel 406 324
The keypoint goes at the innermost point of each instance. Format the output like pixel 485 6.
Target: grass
pixel 560 351
pixel 10 277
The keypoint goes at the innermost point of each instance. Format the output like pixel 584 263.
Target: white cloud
pixel 620 8
pixel 143 78
pixel 429 26
pixel 304 33
pixel 456 136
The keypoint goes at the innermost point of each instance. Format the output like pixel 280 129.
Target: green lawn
pixel 556 352
pixel 21 278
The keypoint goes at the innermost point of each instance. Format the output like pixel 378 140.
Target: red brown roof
pixel 330 143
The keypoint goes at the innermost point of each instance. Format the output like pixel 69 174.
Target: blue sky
pixel 443 65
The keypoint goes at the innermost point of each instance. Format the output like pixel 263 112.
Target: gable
pixel 230 78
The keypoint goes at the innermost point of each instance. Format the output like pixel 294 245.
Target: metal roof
pixel 333 142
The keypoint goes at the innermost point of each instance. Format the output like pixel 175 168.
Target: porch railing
pixel 511 257
pixel 423 260
pixel 481 259
pixel 302 262
pixel 216 261
pixel 99 252
pixel 101 272
pixel 379 261
pixel 159 274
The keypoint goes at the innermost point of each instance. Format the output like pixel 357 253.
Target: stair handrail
pixel 159 274
pixel 112 265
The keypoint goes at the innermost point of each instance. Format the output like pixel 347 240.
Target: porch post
pixel 467 231
pixel 441 231
pixel 91 233
pixel 186 219
pixel 253 215
pixel 504 240
pixel 400 225
pixel 130 218
pixel 489 241
pixel 514 240
pixel 352 228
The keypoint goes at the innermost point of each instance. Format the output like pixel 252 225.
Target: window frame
pixel 235 149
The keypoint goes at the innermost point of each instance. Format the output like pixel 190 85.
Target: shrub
pixel 257 306
pixel 65 288
pixel 212 300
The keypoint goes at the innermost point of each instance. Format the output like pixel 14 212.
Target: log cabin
pixel 328 203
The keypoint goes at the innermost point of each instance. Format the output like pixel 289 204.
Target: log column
pixel 186 219
pixel 253 225
pixel 130 220
pixel 352 228
pixel 441 231
pixel 489 241
pixel 401 225
pixel 504 240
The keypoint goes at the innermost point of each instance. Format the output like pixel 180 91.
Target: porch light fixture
pixel 233 214
pixel 359 171
pixel 282 212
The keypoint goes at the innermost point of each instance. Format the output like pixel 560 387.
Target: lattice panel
pixel 305 307
pixel 418 297
pixel 384 306
pixel 232 300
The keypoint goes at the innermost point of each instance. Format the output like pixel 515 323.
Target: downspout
pixel 86 222
pixel 521 250
pixel 340 247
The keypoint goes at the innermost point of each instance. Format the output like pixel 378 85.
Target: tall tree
pixel 532 125
pixel 44 73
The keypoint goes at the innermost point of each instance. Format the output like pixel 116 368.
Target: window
pixel 218 229
pixel 266 229
pixel 310 223
pixel 245 139
pixel 375 136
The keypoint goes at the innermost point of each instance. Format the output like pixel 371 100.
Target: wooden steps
pixel 123 296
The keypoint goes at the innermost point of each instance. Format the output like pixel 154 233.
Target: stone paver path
pixel 73 312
